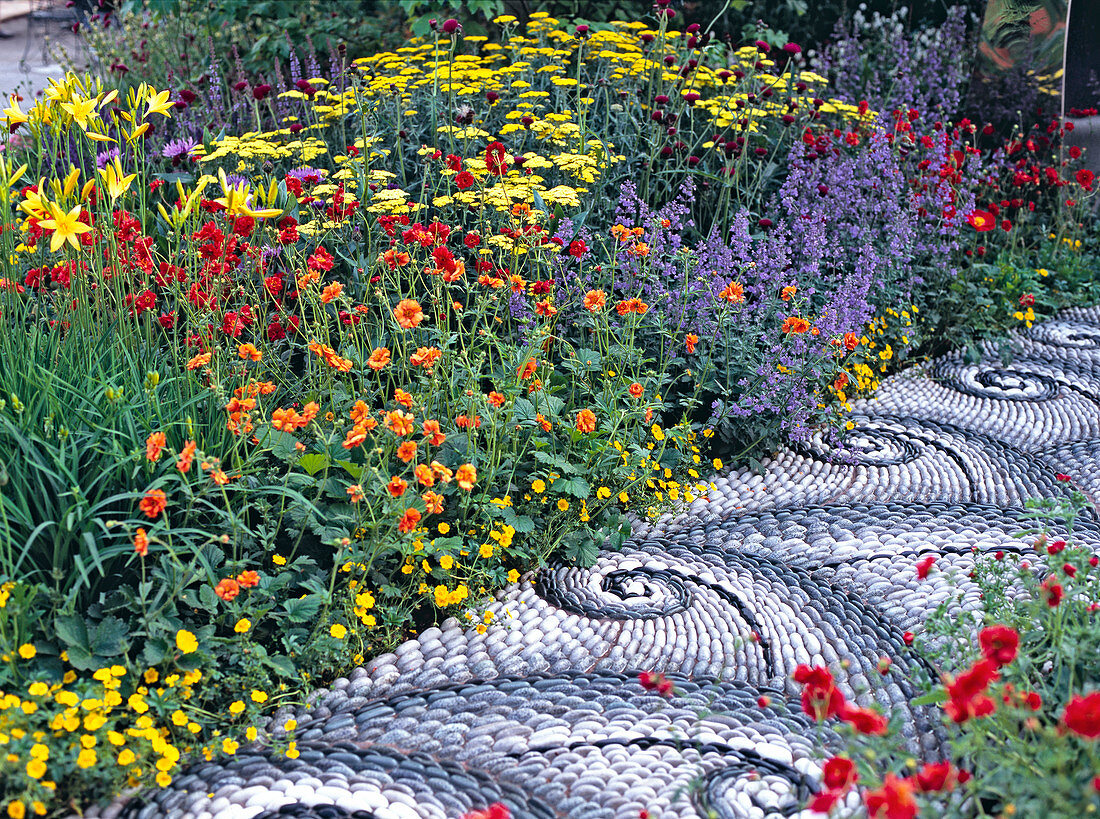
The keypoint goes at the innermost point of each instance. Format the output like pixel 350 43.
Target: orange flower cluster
pixel 330 357
pixel 289 420
pixel 793 325
pixel 734 293
pixel 228 588
pixel 634 305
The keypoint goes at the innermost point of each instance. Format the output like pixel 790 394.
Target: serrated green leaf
pixel 281 665
pixel 314 462
pixel 302 609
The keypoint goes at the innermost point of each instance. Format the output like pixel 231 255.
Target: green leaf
pixel 580 549
pixel 934 698
pixel 577 487
pixel 207 598
pixel 110 637
pixel 314 462
pixel 71 630
pixel 281 665
pixel 302 609
pixel 352 468
pixel 521 523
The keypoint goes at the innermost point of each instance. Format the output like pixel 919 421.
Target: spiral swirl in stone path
pixel 812 561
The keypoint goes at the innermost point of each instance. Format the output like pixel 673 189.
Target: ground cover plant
pixel 390 333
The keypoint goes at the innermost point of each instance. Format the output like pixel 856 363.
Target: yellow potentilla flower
pixel 251 733
pixel 563 504
pixel 538 486
pixel 486 550
pixel 186 641
pixel 243 625
pixel 236 707
pixel 86 758
pixel 38 689
pixel 338 630
pixel 164 779
pixel 27 651
pixel 292 751
pixel 229 746
pixel 513 576
pixel 36 769
pixel 126 758
pixel 259 696
pixel 16 809
pixel 446 562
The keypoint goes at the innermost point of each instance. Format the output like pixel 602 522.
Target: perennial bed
pixel 294 371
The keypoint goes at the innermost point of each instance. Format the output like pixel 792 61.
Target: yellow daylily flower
pixel 13 114
pixel 66 227
pixel 159 103
pixel 35 204
pixel 117 183
pixel 70 180
pixel 80 110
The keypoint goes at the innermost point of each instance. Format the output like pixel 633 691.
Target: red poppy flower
pixel 654 681
pixel 839 774
pixel 864 720
pixel 1052 591
pixel 936 776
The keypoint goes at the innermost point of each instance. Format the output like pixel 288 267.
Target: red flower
pixel 577 248
pixel 690 341
pixel 1052 591
pixel 465 180
pixel 1027 300
pixel 999 644
pixel 939 776
pixel 820 696
pixel 894 800
pixel 967 693
pixel 1083 715
pixel 1085 178
pixel 864 720
pixel 982 221
pixel 495 159
pixel 839 774
pixel 925 566
pixel 653 681
pixel 795 325
pixel 496 810
pixel 141 542
pixel 409 520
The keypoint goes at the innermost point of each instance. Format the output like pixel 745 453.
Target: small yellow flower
pixel 38 689
pixel 251 733
pixel 443 528
pixel 486 550
pixel 259 696
pixel 446 562
pixel 563 504
pixel 186 641
pixel 16 809
pixel 164 779
pixel 513 576
pixel 86 758
pixel 338 630
pixel 36 769
pixel 236 707
pixel 229 746
pixel 278 560
pixel 538 486
pixel 243 625
pixel 292 750
pixel 27 651
pixel 126 757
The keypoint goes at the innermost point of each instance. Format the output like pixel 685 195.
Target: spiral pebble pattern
pixel 813 561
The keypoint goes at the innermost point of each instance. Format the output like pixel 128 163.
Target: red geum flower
pixel 864 720
pixel 1085 178
pixel 1052 591
pixel 967 693
pixel 1027 300
pixel 260 92
pixel 654 681
pixel 577 248
pixel 820 696
pixel 936 776
pixel 497 810
pixel 839 774
pixel 154 502
pixel 464 180
pixel 999 644
pixel 894 800
pixel 1082 715
pixel 924 566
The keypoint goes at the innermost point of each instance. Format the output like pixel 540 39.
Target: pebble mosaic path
pixel 812 562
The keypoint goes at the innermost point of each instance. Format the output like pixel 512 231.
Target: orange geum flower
pixel 403 398
pixel 787 292
pixel 407 451
pixel 527 369
pixel 408 313
pixel 595 300
pixel 425 357
pixel 517 283
pixel 394 259
pixel 441 472
pixel 424 475
pixel 354 438
pixel 201 360
pixel 496 399
pixel 795 325
pixel 399 423
pixel 219 477
pixel 249 351
pixel 466 476
pixel 734 293
pixel 154 502
pixel 248 579
pixel 307 278
pixel 586 421
pixel 433 502
pixel 690 340
pixel 379 359
pixel 409 520
pixel 187 455
pixel 545 308
pixel 359 412
pixel 331 291
pixel 433 433
pixel 286 420
pixel 227 589
pixel 141 542
pixel 636 390
pixel 154 444
pixel 355 493
pixel 397 486
pixel 309 412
